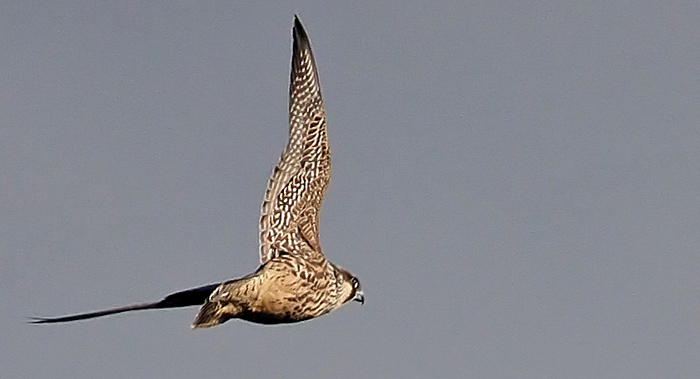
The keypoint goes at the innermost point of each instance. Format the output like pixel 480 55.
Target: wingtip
pixel 48 320
pixel 299 31
pixel 43 320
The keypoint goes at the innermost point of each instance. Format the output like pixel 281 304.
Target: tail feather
pixel 210 314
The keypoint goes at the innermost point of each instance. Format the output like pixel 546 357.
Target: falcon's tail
pixel 210 314
pixel 220 305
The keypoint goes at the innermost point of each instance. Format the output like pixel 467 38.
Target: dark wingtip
pixel 45 320
pixel 37 320
pixel 299 32
pixel 55 320
pixel 86 316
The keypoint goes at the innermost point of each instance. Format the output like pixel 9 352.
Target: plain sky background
pixel 516 184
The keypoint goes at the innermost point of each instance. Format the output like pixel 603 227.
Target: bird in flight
pixel 295 281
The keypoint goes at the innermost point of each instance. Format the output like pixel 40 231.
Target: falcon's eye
pixel 355 283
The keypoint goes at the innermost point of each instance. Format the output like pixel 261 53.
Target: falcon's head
pixel 350 288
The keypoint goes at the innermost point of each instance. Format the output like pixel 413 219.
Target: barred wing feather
pixel 292 202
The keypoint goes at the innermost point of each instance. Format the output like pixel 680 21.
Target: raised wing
pixel 292 202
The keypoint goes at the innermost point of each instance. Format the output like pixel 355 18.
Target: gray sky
pixel 517 185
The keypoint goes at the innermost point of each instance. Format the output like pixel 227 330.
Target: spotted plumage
pixel 295 281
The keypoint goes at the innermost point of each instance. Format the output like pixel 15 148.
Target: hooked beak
pixel 359 297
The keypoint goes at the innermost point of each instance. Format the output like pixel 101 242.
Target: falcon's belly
pixel 286 296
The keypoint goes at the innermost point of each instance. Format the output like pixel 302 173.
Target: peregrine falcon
pixel 295 281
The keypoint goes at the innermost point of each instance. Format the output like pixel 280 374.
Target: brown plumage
pixel 295 281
